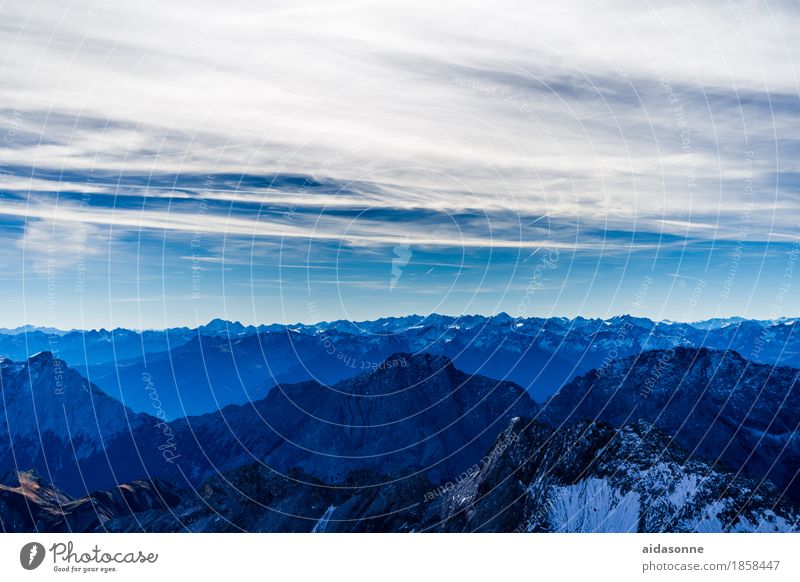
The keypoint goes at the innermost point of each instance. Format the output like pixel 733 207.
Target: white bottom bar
pixel 370 557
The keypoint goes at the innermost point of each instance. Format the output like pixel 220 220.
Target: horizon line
pixel 28 328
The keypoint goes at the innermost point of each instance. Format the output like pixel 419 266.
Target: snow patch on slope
pixel 320 526
pixel 593 506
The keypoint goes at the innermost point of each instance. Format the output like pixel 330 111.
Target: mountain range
pixel 342 428
pixel 202 370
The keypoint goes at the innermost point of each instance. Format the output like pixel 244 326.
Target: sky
pixel 164 163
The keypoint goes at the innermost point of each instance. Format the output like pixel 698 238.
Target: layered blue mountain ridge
pixel 712 430
pixel 201 370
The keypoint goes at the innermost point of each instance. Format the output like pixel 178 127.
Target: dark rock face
pixel 588 477
pixel 716 404
pixel 256 499
pixel 413 413
pixel 416 413
pixel 28 504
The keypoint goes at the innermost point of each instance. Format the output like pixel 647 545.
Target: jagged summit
pixel 716 404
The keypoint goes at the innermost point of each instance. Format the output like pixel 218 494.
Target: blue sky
pixel 164 165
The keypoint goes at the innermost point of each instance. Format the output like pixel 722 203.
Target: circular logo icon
pixel 31 555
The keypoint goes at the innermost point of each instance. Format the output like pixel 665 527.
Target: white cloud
pixel 570 109
pixel 51 245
